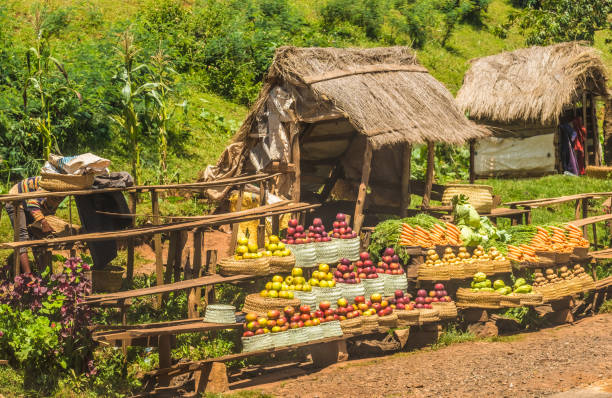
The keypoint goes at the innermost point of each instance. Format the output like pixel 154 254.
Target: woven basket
pixel 407 318
pixel 306 298
pixel 529 298
pixel 603 172
pixel 581 252
pixel 427 315
pixel 65 182
pixel 446 310
pixel 220 313
pixel 331 329
pixel 281 265
pixel 387 322
pixel 501 266
pixel 257 343
pixel 467 298
pixel 282 339
pixel 485 266
pixel 510 301
pixel 299 335
pixel 305 255
pixel 256 266
pixel 372 286
pixel 547 256
pixel 479 196
pixel 350 291
pixel 395 282
pixel 108 279
pixel 433 273
pixel 469 269
pixel 315 333
pixel 574 286
pixel 261 305
pixel 456 271
pixel 587 282
pixel 331 294
pixel 369 323
pixel 348 248
pixel 351 327
pixel 327 252
pixel 562 257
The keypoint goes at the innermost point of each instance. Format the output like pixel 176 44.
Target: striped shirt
pixel 37 207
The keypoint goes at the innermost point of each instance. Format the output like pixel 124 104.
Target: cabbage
pixel 469 237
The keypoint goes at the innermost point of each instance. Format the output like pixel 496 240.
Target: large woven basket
pixel 587 282
pixel 487 300
pixel 330 294
pixel 257 343
pixel 603 172
pixel 501 266
pixel 529 298
pixel 427 315
pixel 256 266
pixel 327 252
pixel 456 271
pixel 387 322
pixel 486 267
pixel 574 285
pixel 315 333
pixel 108 279
pixel 220 313
pixel 369 323
pixel 282 339
pixel 305 255
pixel 581 252
pixel 261 305
pixel 281 265
pixel 469 269
pixel 394 283
pixel 299 335
pixel 331 329
pixel 433 273
pixel 446 310
pixel 510 301
pixel 350 291
pixel 306 298
pixel 407 317
pixel 65 182
pixel 372 286
pixel 351 327
pixel 479 196
pixel 348 248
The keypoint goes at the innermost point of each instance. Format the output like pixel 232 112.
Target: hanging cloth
pixel 568 157
pixel 579 143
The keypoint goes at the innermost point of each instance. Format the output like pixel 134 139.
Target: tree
pixel 553 21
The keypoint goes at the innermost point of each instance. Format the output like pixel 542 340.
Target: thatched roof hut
pixel 529 92
pixel 331 112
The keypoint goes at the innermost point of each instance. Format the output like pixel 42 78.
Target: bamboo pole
pixel 406 193
pixel 472 158
pixel 429 174
pixel 363 188
pixel 297 176
pixel 584 122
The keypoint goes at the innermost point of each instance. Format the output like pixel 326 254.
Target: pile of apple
pixel 274 322
pixel 424 299
pixel 345 272
pixel 280 288
pixel 296 281
pixel 401 302
pixel 322 277
pixel 390 263
pixel 296 234
pixel 301 318
pixel 246 250
pixel 317 233
pixel 341 229
pixel 275 247
pixel 366 268
pixel 325 313
pixel 362 307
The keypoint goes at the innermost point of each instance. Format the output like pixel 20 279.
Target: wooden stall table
pixel 516 216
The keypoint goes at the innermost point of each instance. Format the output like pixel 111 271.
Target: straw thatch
pixel 383 92
pixel 532 84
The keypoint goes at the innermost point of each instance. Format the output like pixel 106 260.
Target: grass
pixel 606 307
pixel 241 394
pixel 452 335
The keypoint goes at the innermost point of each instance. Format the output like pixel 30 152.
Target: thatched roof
pixel 383 92
pixel 531 84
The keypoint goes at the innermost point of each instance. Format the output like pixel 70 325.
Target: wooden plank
pixel 405 189
pixel 591 220
pixel 176 286
pixel 191 327
pixel 363 187
pixel 246 215
pixel 157 242
pixel 295 158
pixel 429 175
pixel 165 358
pixel 235 226
pixel 593 115
pixel 211 265
pixel 552 201
pixel 585 214
pixel 194 293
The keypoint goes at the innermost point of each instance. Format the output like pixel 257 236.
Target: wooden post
pixel 363 187
pixel 165 358
pixel 406 192
pixel 295 159
pixel 130 253
pixel 211 265
pixel 584 122
pixel 261 228
pixel 276 224
pixel 585 214
pixel 597 144
pixel 235 226
pixel 157 242
pixel 194 294
pixel 577 210
pixel 16 227
pixel 472 157
pixel 429 175
pixel 178 261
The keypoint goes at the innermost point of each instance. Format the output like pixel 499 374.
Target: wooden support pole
pixel 261 228
pixel 472 158
pixel 178 261
pixel 276 224
pixel 130 251
pixel 363 187
pixel 211 265
pixel 165 359
pixel 585 214
pixel 235 226
pixel 584 122
pixel 429 175
pixel 194 294
pixel 597 144
pixel 16 228
pixel 406 193
pixel 577 210
pixel 295 159
pixel 157 242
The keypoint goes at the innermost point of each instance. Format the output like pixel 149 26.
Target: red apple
pixel 439 286
pixel 248 333
pixel 324 305
pixel 305 309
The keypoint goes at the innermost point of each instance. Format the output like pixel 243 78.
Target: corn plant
pixel 131 94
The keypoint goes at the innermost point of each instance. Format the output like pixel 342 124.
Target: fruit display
pixel 480 283
pixel 425 299
pixel 390 263
pixel 276 248
pixel 345 272
pixel 273 322
pixel 296 281
pixel 317 231
pixel 552 276
pixel 521 286
pixel 322 277
pixel 365 267
pixel 246 250
pixel 325 313
pixel 296 234
pixel 400 301
pixel 341 230
pixel 280 287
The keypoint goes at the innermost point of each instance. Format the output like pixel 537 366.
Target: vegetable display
pixel 475 230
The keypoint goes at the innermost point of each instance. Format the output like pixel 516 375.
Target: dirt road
pixel 532 365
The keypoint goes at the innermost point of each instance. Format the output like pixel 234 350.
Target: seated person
pixel 33 211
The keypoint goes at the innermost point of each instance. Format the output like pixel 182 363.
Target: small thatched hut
pixel 345 120
pixel 529 98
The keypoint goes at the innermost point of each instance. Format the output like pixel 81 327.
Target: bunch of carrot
pixel 437 235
